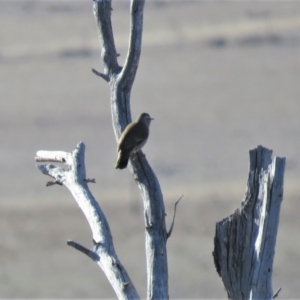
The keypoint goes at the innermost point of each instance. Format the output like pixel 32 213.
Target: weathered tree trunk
pixel 244 243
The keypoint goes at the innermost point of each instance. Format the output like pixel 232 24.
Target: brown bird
pixel 132 139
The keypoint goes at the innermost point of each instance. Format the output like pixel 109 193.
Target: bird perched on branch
pixel 133 138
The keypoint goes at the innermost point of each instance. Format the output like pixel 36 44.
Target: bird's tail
pixel 122 160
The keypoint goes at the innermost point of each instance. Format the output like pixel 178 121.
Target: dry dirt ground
pixel 219 79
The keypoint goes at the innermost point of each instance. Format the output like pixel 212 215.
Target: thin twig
pixel 91 254
pixel 102 75
pixel 50 183
pixel 173 221
pixel 87 180
pixel 277 293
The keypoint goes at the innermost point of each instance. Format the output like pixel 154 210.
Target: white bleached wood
pixel 51 156
pixel 74 178
pixel 244 244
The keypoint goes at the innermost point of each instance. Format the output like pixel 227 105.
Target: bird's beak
pixel 151 119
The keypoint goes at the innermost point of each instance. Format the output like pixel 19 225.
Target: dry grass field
pixel 219 79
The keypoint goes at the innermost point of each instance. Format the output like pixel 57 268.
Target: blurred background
pixel 219 78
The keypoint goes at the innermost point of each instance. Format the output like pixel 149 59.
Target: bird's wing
pixel 133 135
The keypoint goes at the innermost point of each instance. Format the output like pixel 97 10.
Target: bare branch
pixel 51 183
pixel 156 234
pixel 88 180
pixel 104 76
pixel 173 221
pixel 91 254
pixel 74 178
pixel 277 293
pixel 128 73
pixel 102 13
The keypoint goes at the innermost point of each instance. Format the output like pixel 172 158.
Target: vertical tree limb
pixel 121 81
pixel 244 244
pixel 102 9
pixel 131 64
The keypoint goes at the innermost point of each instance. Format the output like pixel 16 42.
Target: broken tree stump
pixel 244 243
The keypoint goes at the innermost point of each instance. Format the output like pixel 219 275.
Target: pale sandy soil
pixel 219 79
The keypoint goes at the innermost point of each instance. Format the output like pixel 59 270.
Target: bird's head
pixel 145 118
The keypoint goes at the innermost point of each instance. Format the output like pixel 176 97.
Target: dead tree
pixel 120 81
pixel 244 244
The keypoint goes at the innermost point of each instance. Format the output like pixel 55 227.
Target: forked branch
pixel 74 178
pixel 120 82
